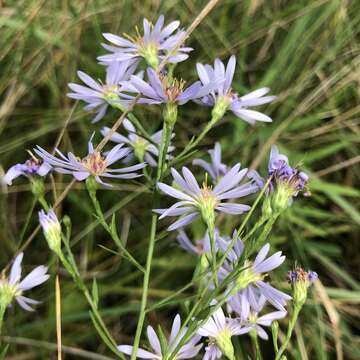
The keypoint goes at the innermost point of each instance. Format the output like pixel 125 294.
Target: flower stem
pixel 2 313
pixel 255 341
pixel 194 143
pixel 290 329
pixel 145 284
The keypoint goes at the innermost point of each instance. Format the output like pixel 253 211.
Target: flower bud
pixel 300 281
pixel 52 230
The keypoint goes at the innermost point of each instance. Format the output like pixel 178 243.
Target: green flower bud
pixel 52 230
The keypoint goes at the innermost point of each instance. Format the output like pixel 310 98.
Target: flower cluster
pixel 241 280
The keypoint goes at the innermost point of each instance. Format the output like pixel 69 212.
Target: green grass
pixel 307 52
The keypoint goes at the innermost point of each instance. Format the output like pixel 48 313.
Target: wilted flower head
pixel 219 330
pixel 216 169
pixel 250 282
pixel 300 281
pixel 187 351
pixel 94 164
pixel 140 147
pixel 153 45
pixel 51 228
pixel 97 95
pixel 161 89
pixel 205 200
pixel 286 182
pixel 223 98
pixel 12 287
pixel 29 168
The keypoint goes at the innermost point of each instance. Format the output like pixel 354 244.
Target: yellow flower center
pixel 95 163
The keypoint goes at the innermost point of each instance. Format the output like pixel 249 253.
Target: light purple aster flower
pixel 12 287
pixel 160 89
pixel 94 164
pixel 140 147
pixel 256 322
pixel 153 46
pixel 223 98
pixel 255 271
pixel 205 200
pixel 202 246
pixel 29 168
pixel 99 96
pixel 219 330
pixel 187 351
pixel 216 169
pixel 294 180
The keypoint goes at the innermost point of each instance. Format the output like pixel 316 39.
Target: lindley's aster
pixel 153 45
pixel 187 351
pixel 29 168
pixel 162 89
pixel 223 98
pixel 12 287
pixel 99 96
pixel 94 164
pixel 205 200
pixel 140 147
pixel 219 330
pixel 252 277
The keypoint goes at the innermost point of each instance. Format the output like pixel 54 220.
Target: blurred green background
pixel 307 52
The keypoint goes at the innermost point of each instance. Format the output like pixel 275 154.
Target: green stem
pixel 290 329
pixel 211 230
pixel 2 313
pixel 193 144
pixel 255 341
pixel 74 272
pixel 145 284
pixel 110 230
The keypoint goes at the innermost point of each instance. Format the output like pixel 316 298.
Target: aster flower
pixel 94 164
pixel 187 351
pixel 223 98
pixel 162 89
pixel 156 42
pixel 215 168
pixel 12 287
pixel 205 200
pixel 219 330
pixel 140 147
pixel 29 168
pixel 99 96
pixel 252 277
pixel 256 322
